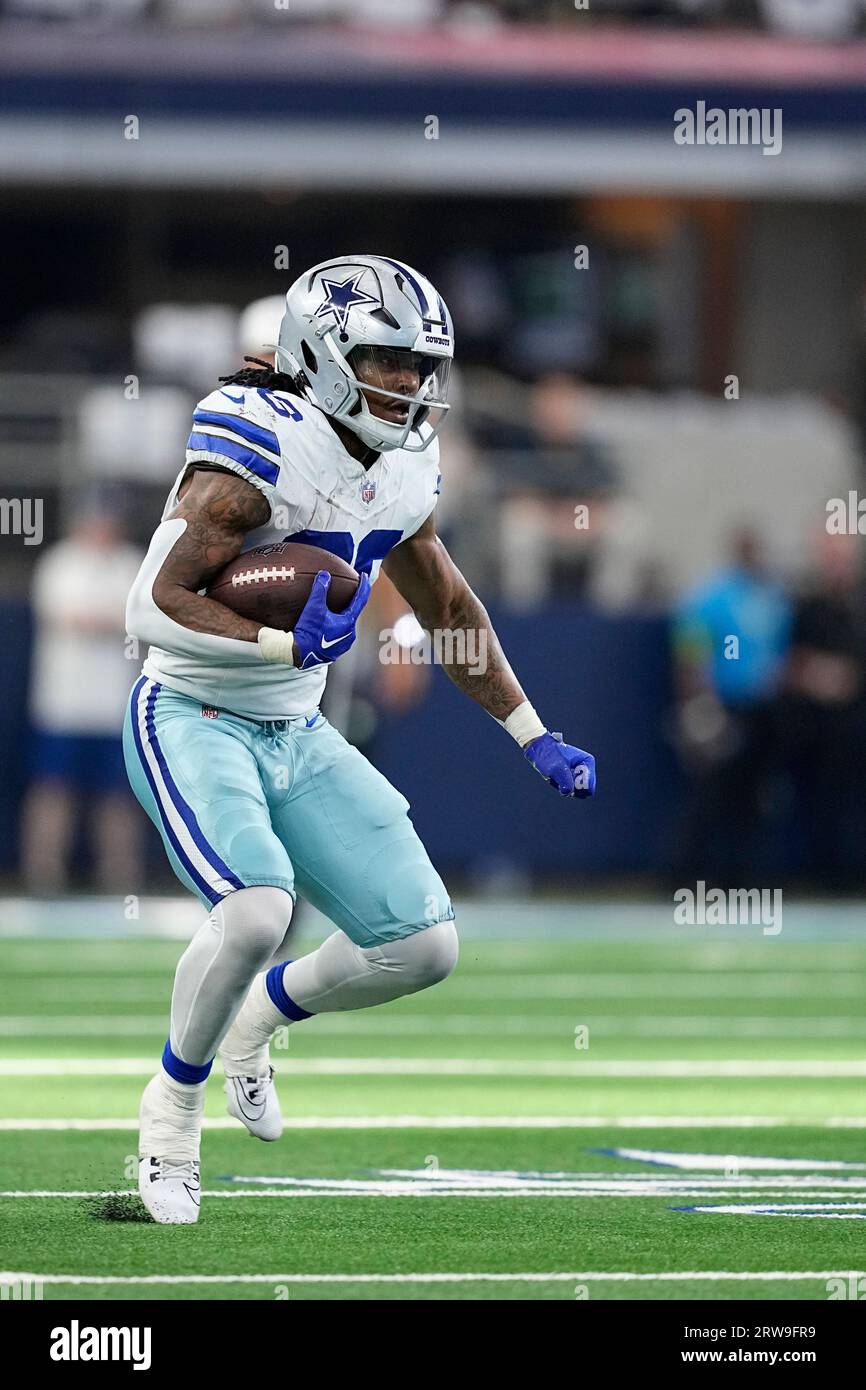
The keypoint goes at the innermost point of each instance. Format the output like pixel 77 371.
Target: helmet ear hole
pixel 309 356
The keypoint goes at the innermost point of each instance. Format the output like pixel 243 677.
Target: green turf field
pixel 593 1106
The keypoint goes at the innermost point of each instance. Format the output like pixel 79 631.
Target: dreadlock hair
pixel 263 374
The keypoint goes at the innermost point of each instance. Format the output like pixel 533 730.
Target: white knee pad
pixel 426 957
pixel 255 920
pixel 341 975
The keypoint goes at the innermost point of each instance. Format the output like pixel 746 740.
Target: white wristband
pixel 523 724
pixel 276 646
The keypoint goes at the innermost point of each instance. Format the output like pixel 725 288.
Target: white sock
pixel 182 1095
pixel 171 1118
pixel 244 1049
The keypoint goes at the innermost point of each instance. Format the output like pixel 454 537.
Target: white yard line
pixel 591 1187
pixel 467 1066
pixel 365 1122
pixel 626 1276
pixel 830 1211
pixel 704 1162
pixel 674 984
pixel 469 1025
pixel 80 1025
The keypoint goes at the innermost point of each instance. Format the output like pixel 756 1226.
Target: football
pixel 271 583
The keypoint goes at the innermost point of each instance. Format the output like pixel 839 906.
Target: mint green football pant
pixel 286 804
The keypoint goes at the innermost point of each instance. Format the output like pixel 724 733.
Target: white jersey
pixel 319 495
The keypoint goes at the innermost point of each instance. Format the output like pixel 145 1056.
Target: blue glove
pixel 321 635
pixel 569 769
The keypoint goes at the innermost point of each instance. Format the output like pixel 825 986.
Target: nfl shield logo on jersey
pixel 368 490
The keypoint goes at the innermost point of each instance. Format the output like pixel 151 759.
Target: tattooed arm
pixel 429 580
pixel 219 510
pixel 215 511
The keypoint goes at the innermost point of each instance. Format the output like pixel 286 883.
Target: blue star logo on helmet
pixel 341 296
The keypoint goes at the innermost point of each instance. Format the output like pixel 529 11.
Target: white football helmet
pixel 356 322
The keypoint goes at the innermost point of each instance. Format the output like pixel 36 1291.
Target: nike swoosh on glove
pixel 571 770
pixel 321 635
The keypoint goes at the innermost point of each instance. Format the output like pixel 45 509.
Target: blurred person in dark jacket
pixel 823 715
pixel 556 482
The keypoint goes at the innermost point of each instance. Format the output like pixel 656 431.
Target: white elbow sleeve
pixel 148 623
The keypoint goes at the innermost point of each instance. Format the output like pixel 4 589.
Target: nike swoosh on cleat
pixel 241 1097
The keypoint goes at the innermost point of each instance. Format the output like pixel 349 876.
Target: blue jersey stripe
pixel 256 463
pixel 247 429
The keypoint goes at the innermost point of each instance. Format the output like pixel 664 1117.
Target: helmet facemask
pixel 412 387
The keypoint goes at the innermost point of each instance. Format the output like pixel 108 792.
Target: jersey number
pixel 374 546
pixel 284 408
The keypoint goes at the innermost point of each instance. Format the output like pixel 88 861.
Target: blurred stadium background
pixel 264 139
pixel 661 386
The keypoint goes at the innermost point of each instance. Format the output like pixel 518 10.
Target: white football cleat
pixel 171 1190
pixel 169 1138
pixel 253 1100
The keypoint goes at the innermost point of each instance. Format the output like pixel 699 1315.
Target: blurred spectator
pixel 556 480
pixel 813 19
pixel 731 637
pixel 184 344
pixel 152 422
pixel 259 327
pixel 823 715
pixel 79 686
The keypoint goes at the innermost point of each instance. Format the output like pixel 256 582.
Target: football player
pixel 256 796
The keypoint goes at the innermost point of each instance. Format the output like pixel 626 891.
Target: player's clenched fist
pixel 320 635
pixel 571 770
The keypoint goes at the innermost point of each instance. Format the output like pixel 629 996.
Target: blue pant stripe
pixel 203 886
pixel 186 812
